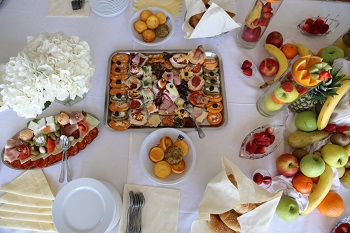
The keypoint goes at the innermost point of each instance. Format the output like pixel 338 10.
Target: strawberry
pixel 302 90
pixel 246 64
pixel 267 7
pixel 315 31
pixel 250 148
pixel 267 15
pixel 309 21
pixel 325 75
pixel 324 28
pixel 287 86
pixel 267 180
pixel 263 141
pixel 330 128
pixel 272 138
pixel 258 135
pixel 269 130
pixel 345 129
pixel 290 77
pixel 258 178
pixel 318 23
pixel 264 22
pixel 260 150
pixel 248 71
pixel 307 28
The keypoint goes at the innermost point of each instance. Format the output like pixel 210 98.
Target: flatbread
pixel 26 217
pixel 31 183
pixel 27 225
pixel 25 209
pixel 15 199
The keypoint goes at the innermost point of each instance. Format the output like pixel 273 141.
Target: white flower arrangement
pixel 51 66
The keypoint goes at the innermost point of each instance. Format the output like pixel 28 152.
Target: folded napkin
pixel 27 225
pixel 221 196
pixel 214 22
pixel 25 209
pixel 174 7
pixel 64 8
pixel 160 212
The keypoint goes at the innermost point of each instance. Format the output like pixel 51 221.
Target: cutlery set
pixel 64 141
pixel 137 201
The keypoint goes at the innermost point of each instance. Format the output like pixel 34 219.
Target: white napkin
pixel 215 20
pixel 221 195
pixel 64 8
pixel 160 213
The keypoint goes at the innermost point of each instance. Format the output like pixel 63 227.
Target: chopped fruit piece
pixel 287 87
pixel 246 64
pixel 263 141
pixel 267 180
pixel 301 90
pixel 272 138
pixel 325 75
pixel 260 150
pixel 330 128
pixel 269 130
pixel 309 21
pixel 250 147
pixel 267 15
pixel 248 71
pixel 345 129
pixel 258 178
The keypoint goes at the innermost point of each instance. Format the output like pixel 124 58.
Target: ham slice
pixel 75 117
pixel 165 104
pixel 12 154
pixel 13 142
pixel 68 130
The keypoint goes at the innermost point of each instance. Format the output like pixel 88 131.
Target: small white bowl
pixel 152 140
pixel 157 41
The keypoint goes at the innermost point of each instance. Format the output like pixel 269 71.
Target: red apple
pixel 269 67
pixel 275 38
pixel 251 35
pixel 287 164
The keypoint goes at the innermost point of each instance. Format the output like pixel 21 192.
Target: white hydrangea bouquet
pixel 50 67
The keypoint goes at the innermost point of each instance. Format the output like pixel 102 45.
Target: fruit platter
pixel 161 89
pixel 37 145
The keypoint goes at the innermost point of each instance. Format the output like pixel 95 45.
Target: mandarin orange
pixel 289 50
pixel 302 183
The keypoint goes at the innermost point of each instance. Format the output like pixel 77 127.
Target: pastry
pixel 194 21
pixel 214 118
pixel 216 225
pixel 156 154
pixel 162 169
pixel 162 30
pixel 152 22
pixel 119 106
pixel 119 125
pixel 214 107
pixel 244 208
pixel 197 55
pixel 229 218
pixel 140 26
pixel 161 17
pixel 173 154
pixel 154 120
pixel 232 179
pixel 183 146
pixel 148 35
pixel 117 116
pixel 145 14
pixel 210 63
pixel 196 83
pixel 179 167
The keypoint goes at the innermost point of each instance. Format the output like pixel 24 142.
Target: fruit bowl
pixel 152 140
pixel 317 26
pixel 266 139
pixel 345 222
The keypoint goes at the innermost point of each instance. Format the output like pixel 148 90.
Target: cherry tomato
pixel 50 145
pixel 83 127
pixel 24 151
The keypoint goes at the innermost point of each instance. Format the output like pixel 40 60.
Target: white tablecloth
pixel 113 156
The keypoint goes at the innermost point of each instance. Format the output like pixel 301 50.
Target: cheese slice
pixel 26 217
pixel 25 209
pixel 27 225
pixel 31 183
pixel 14 199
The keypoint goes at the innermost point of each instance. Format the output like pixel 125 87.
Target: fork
pixel 64 141
pixel 189 109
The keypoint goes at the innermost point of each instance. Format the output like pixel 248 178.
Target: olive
pixel 340 139
pixel 118 62
pixel 117 69
pixel 118 81
pixel 211 88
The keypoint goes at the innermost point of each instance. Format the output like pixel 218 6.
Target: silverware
pixel 189 109
pixel 134 218
pixel 64 141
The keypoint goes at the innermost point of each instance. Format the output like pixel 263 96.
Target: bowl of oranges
pixel 167 156
pixel 151 26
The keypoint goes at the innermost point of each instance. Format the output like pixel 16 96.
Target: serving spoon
pixel 189 109
pixel 64 141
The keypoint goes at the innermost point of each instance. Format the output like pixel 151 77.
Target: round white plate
pixel 85 205
pixel 157 41
pixel 152 140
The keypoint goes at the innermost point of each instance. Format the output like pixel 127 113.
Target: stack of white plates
pixel 87 205
pixel 108 8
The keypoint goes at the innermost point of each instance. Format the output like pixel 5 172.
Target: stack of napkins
pixel 27 203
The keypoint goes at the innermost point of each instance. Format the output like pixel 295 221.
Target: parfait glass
pixel 294 83
pixel 256 22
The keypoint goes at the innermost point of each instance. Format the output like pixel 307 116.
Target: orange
pixel 178 168
pixel 156 154
pixel 319 52
pixel 165 142
pixel 301 73
pixel 302 183
pixel 290 50
pixel 332 205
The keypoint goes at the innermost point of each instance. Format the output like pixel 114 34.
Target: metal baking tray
pixel 146 128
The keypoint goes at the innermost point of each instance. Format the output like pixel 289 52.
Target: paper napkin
pixel 64 8
pixel 221 196
pixel 214 22
pixel 160 212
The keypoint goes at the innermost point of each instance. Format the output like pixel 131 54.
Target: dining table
pixel 114 155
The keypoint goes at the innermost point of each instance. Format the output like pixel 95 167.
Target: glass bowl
pixel 278 133
pixel 332 23
pixel 266 178
pixel 345 220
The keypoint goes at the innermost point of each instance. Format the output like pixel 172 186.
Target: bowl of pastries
pixel 151 26
pixel 167 156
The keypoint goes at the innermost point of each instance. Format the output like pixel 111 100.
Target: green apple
pixel 331 53
pixel 306 121
pixel 312 165
pixel 341 171
pixel 316 68
pixel 334 155
pixel 286 95
pixel 287 209
pixel 270 105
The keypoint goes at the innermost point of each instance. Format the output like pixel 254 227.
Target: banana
pixel 254 14
pixel 331 103
pixel 303 50
pixel 322 188
pixel 281 59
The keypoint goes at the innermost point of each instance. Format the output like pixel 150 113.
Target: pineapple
pixel 319 94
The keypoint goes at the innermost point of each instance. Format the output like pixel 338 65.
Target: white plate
pixel 108 8
pixel 152 140
pixel 85 205
pixel 157 41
